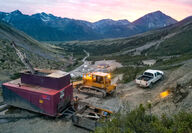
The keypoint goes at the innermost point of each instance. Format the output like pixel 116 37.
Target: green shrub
pixel 140 121
pixel 129 73
pixel 15 76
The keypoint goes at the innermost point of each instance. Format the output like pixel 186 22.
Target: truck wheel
pixel 162 77
pixel 151 85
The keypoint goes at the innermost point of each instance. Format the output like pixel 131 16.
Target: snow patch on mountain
pixel 44 17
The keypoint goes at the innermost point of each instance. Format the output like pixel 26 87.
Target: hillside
pixel 179 43
pixel 47 27
pixel 39 54
pixel 153 43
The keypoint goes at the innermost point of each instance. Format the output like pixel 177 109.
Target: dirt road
pixel 87 66
pixel 139 50
pixel 77 71
pixel 134 95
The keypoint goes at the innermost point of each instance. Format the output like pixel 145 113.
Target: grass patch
pixel 129 73
pixel 75 65
pixel 15 76
pixel 176 45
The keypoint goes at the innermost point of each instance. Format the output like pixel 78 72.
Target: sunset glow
pixel 93 10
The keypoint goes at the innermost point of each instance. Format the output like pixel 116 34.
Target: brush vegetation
pixel 141 120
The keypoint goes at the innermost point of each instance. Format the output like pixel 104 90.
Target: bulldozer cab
pixel 97 79
pixel 97 83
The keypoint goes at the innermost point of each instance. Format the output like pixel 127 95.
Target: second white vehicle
pixel 149 77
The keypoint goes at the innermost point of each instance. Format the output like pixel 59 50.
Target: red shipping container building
pixel 48 91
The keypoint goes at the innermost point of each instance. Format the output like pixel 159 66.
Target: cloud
pixel 185 1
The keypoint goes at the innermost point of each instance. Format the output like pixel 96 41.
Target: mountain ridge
pixel 154 20
pixel 47 27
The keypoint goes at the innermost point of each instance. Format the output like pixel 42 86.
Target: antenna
pixel 23 58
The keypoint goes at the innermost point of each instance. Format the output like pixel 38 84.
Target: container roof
pixel 34 88
pixel 100 73
pixel 57 74
pixel 105 65
pixel 48 73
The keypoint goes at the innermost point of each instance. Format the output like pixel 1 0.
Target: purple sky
pixel 93 10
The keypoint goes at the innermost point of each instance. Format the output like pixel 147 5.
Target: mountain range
pixel 168 41
pixel 47 27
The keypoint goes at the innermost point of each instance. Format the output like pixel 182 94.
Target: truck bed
pixel 145 78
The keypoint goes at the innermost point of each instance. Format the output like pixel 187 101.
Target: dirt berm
pixel 180 85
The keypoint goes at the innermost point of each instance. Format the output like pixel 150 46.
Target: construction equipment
pixel 44 91
pixel 88 117
pixel 96 84
pixel 23 58
pixel 48 92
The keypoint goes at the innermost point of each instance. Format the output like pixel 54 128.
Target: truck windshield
pixel 148 74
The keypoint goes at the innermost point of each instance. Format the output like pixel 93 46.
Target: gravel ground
pixel 40 125
pixel 22 121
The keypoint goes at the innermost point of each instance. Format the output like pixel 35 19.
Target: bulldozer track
pixel 93 91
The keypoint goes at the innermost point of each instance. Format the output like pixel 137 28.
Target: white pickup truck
pixel 149 77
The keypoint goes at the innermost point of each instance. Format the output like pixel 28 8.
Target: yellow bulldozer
pixel 96 83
